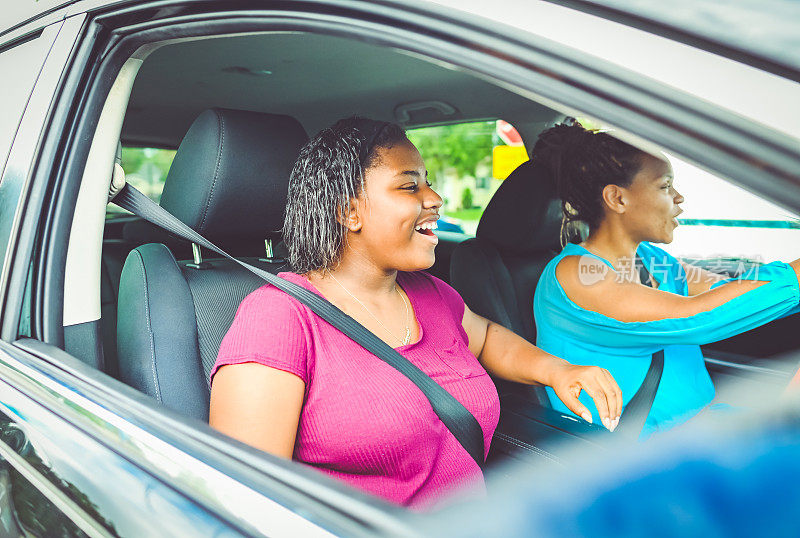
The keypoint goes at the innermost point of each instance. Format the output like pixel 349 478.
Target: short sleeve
pixel 453 301
pixel 269 328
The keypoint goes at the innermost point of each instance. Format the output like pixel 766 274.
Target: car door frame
pixel 536 67
pixel 732 146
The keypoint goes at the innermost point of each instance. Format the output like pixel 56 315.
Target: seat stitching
pixel 149 327
pixel 221 122
pixel 527 446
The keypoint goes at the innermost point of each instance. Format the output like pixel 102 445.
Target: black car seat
pixel 228 181
pixel 134 233
pixel 497 271
pixel 115 250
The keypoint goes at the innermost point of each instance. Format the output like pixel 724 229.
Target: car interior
pixel 237 109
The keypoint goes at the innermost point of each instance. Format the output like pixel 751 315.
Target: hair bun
pixel 562 136
pixel 582 162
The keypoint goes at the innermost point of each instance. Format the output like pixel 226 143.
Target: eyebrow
pixel 411 173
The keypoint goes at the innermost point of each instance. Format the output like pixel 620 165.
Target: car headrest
pixel 524 215
pixel 230 175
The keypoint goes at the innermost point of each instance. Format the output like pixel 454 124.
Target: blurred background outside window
pixel 467 163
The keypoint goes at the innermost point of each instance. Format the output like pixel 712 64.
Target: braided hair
pixel 328 173
pixel 583 162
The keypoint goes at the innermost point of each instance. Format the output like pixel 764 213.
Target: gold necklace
pixel 407 338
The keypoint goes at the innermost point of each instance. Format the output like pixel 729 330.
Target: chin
pixel 664 236
pixel 425 265
pixel 417 263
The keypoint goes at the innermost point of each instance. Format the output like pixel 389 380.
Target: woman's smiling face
pixel 396 212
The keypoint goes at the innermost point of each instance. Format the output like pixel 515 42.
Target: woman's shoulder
pixel 579 273
pixel 271 328
pixel 570 250
pixel 573 263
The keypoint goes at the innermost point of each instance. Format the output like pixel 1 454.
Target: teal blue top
pixel 624 348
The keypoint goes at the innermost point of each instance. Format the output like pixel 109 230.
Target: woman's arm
pixel 509 356
pixel 699 280
pixel 257 405
pixel 627 314
pixel 631 302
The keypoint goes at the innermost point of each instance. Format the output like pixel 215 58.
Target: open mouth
pixel 426 228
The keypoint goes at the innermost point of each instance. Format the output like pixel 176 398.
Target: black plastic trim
pixel 86 337
pixel 30 141
pixel 20 40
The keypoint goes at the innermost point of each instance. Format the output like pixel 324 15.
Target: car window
pixel 145 169
pixel 723 221
pixel 467 163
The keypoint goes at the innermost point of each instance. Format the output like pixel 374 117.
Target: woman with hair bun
pixel 359 229
pixel 615 299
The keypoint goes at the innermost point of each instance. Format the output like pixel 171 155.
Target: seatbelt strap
pixel 633 418
pixel 461 423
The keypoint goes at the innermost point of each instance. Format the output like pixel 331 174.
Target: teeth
pixel 426 226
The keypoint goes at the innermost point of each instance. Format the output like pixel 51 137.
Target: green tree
pixel 147 168
pixel 134 158
pixel 466 198
pixel 460 146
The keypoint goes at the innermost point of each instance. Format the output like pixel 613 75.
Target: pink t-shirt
pixel 362 421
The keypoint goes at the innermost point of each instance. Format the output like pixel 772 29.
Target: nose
pixel 678 199
pixel 431 199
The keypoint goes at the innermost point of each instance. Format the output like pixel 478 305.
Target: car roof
pixel 309 77
pixel 762 33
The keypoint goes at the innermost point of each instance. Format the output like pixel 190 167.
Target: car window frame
pixel 17 172
pixel 486 56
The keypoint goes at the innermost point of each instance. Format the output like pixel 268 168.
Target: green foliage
pixel 460 146
pixel 134 158
pixel 466 198
pixel 467 215
pixel 146 169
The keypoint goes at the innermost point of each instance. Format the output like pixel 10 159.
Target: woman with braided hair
pixel 615 299
pixel 359 230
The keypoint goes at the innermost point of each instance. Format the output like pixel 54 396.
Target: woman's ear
pixel 614 198
pixel 353 218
